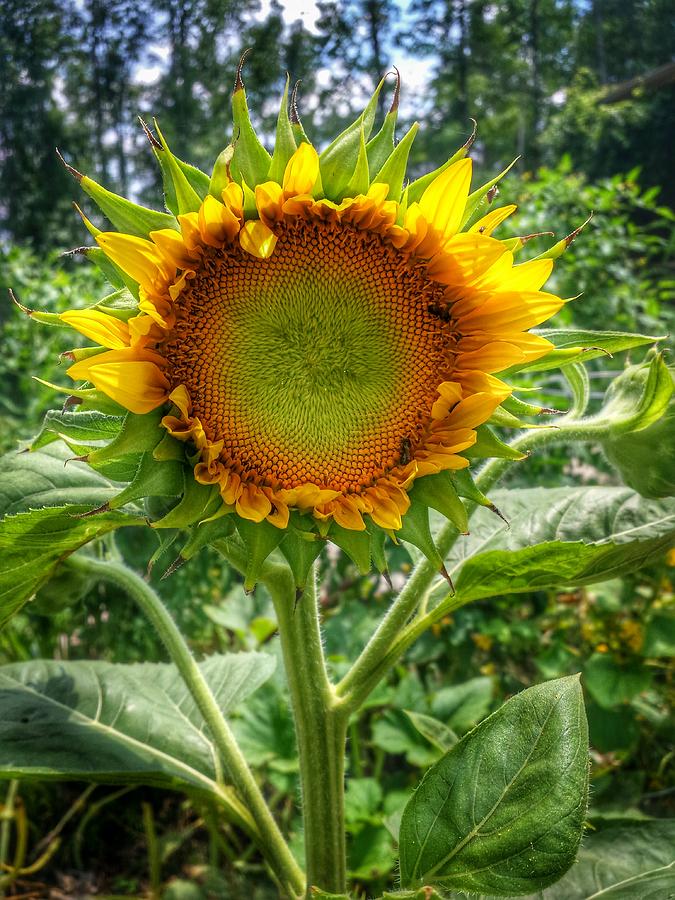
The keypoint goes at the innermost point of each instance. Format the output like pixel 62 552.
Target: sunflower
pixel 321 337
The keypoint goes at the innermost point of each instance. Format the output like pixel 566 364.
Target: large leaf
pixel 503 810
pixel 621 862
pixel 32 544
pixel 116 723
pixel 41 495
pixel 45 478
pixel 560 536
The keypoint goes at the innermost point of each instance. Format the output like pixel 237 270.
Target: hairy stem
pixel 320 726
pixel 269 836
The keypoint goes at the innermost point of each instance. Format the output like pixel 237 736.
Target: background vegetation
pixel 584 91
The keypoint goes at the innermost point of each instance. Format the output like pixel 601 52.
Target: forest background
pixel 584 92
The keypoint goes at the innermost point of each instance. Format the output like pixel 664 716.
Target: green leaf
pixel 438 734
pixel 42 478
pixel 611 684
pixel 250 157
pixel 300 553
pixel 126 216
pixel 660 635
pixel 638 397
pixel 503 810
pixel 394 167
pixel 560 536
pixel 394 732
pixel 32 544
pixel 186 197
pixel 115 723
pixel 382 144
pixel 621 863
pixel 284 144
pixel 152 479
pixel 338 161
pixel 463 705
pixel 571 345
pixel 415 530
pixel 356 544
pixel 439 493
pixel 260 539
pixel 360 180
pixel 83 427
pixel 489 446
pixel 371 853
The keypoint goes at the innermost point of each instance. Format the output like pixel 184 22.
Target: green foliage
pixel 502 811
pixel 619 266
pixel 631 449
pixel 114 723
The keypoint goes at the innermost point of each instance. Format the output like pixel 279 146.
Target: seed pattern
pixel 317 365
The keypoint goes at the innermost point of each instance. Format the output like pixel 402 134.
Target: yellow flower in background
pixel 323 337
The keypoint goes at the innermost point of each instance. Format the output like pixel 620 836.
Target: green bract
pixel 640 442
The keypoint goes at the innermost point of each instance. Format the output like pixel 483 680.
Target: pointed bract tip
pixel 293 114
pixel 444 572
pixel 577 231
pixel 598 350
pixel 176 564
pixel 154 143
pixel 15 301
pixel 238 82
pixel 70 168
pixel 75 459
pixel 535 234
pixel 387 578
pixel 501 515
pixel 81 250
pixel 70 401
pixel 397 91
pixel 472 137
pixel 92 512
pixel 67 354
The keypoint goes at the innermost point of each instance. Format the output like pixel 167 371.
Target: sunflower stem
pixel 400 627
pixel 321 730
pixel 370 667
pixel 270 838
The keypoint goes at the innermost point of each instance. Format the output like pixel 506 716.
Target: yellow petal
pixel 528 276
pixel 473 411
pixel 302 170
pixel 515 311
pixel 257 239
pixel 181 398
pixel 252 504
pixel 172 247
pixel 444 201
pixel 495 217
pixel 233 198
pixel 104 329
pixel 269 199
pixel 131 378
pixel 137 257
pixel 385 512
pixel 347 515
pixel 464 258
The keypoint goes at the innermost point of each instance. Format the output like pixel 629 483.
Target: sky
pixel 415 73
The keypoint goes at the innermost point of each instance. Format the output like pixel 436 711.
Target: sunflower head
pixel 305 342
